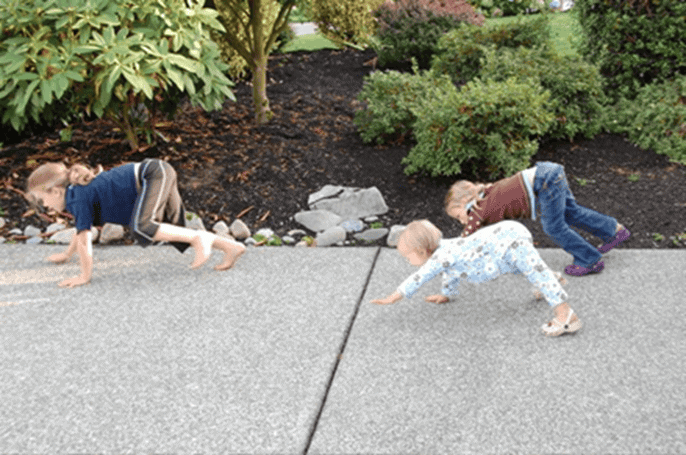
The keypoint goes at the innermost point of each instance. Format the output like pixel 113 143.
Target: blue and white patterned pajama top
pixel 503 247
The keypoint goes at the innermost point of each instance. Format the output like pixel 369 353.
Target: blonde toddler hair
pixel 464 189
pixel 421 235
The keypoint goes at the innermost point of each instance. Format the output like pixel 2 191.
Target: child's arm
pixel 393 298
pixel 65 256
pixel 84 248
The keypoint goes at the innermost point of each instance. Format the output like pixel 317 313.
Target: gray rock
pixel 2 222
pixel 34 241
pixel 250 241
pixel 2 240
pixel 371 235
pixel 318 220
pixel 111 232
pixel 293 232
pixel 54 227
pixel 221 228
pixel 239 230
pixel 64 237
pixel 393 236
pixel 331 236
pixel 16 231
pixel 353 225
pixel 301 244
pixel 348 202
pixel 287 239
pixel 371 219
pixel 31 231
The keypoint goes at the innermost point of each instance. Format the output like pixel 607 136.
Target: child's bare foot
pixel 232 251
pixel 202 244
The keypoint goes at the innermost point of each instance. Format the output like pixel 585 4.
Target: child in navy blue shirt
pixel 504 247
pixel 143 196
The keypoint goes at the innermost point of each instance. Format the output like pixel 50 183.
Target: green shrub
pixel 634 43
pixel 576 95
pixel 345 22
pixel 392 99
pixel 497 8
pixel 656 119
pixel 108 57
pixel 486 125
pixel 459 52
pixel 411 28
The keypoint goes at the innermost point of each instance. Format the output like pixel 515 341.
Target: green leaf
pixel 185 63
pixel 46 90
pixel 139 83
pixel 25 99
pixel 175 76
pixel 25 77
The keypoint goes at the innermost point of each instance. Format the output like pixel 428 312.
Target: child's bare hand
pixel 58 258
pixel 395 297
pixel 437 298
pixel 73 282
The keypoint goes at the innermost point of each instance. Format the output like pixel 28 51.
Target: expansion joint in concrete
pixel 339 356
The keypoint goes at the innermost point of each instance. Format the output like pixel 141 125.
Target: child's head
pixel 459 196
pixel 418 241
pixel 47 185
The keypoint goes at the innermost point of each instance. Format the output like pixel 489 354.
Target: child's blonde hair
pixel 421 235
pixel 52 175
pixel 464 189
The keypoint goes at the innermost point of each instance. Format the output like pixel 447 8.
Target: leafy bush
pixel 108 57
pixel 656 119
pixel 345 22
pixel 633 42
pixel 489 124
pixel 411 28
pixel 576 87
pixel 459 52
pixel 496 8
pixel 392 99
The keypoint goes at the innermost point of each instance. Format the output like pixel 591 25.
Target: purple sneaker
pixel 578 270
pixel 619 237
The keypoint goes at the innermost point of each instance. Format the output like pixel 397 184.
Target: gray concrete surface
pixel 152 357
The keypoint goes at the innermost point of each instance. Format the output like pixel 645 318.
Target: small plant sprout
pixel 634 177
pixel 376 225
pixel 307 239
pixel 658 237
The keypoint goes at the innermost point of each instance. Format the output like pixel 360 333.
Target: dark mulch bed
pixel 227 164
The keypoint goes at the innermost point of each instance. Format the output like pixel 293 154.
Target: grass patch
pixel 565 30
pixel 565 33
pixel 309 43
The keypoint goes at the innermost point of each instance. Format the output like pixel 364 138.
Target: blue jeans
pixel 558 210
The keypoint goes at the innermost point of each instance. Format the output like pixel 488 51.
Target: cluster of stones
pixel 337 215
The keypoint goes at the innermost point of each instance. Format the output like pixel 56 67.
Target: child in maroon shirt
pixel 541 190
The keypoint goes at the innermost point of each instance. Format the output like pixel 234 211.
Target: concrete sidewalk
pixel 285 354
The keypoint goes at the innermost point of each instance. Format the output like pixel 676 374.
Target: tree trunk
pixel 259 75
pixel 259 90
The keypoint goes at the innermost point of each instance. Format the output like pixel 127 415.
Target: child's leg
pixel 154 204
pixel 524 258
pixel 602 226
pixel 552 192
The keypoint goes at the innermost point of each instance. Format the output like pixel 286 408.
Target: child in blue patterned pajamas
pixel 504 247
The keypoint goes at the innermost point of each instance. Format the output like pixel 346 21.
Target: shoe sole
pixel 615 241
pixel 571 328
